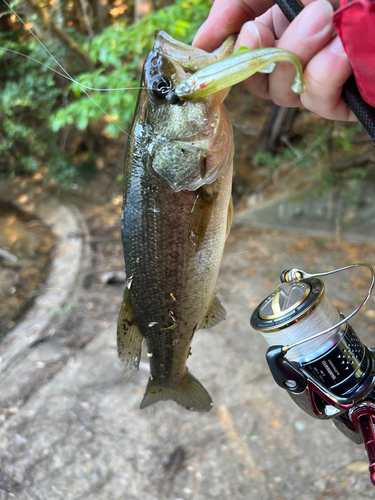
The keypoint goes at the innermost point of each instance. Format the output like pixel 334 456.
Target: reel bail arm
pixel 286 374
pixel 293 275
pixel 316 356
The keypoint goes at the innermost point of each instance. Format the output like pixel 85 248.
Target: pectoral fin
pixel 200 217
pixel 215 314
pixel 129 337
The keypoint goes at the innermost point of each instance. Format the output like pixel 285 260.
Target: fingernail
pixel 336 47
pixel 253 36
pixel 315 18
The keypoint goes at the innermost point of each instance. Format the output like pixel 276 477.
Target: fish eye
pixel 161 87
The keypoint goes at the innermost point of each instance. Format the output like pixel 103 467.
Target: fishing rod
pixel 350 93
pixel 314 353
pixel 317 357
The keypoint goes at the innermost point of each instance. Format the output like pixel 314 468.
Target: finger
pixel 226 18
pixel 275 20
pixel 330 66
pixel 255 35
pixel 279 21
pixel 305 37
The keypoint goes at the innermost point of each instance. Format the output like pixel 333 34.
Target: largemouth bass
pixel 175 218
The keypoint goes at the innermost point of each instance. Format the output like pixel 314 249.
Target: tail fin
pixel 189 393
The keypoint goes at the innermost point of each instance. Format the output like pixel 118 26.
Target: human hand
pixel 310 36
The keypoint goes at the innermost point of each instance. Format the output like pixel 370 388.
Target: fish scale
pixel 177 206
pixel 177 195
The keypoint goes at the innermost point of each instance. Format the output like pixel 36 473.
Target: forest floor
pixel 70 423
pixel 71 427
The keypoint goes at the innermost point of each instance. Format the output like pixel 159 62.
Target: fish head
pixel 171 60
pixel 189 141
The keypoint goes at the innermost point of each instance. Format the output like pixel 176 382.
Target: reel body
pixel 316 356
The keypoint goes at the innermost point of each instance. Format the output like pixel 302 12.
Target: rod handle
pixel 364 419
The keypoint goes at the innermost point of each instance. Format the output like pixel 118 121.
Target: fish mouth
pixel 189 58
pixel 176 59
pixel 187 139
pixel 170 62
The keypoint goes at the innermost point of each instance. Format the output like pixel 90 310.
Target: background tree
pixel 101 44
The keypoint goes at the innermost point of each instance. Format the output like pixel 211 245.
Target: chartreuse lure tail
pixel 236 68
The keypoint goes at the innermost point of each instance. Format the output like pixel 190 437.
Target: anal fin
pixel 189 393
pixel 214 315
pixel 129 337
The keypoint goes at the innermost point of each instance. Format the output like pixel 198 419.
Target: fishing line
pixel 272 250
pixel 66 74
pixel 320 319
pixel 68 77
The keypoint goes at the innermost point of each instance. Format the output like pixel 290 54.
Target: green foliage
pixel 345 136
pixel 119 52
pixel 306 153
pixel 34 108
pixel 267 160
pixel 320 153
pixel 28 96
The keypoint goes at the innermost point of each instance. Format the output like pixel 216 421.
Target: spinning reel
pixel 316 356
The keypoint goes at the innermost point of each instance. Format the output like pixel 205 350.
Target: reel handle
pixel 363 417
pixel 328 376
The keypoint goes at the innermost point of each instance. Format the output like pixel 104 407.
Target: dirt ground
pixel 24 265
pixel 70 423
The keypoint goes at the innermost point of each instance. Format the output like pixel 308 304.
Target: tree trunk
pixel 59 14
pixel 141 8
pixel 280 121
pixel 100 13
pixel 4 17
pixel 86 18
pixel 80 56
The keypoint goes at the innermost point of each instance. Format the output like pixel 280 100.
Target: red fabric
pixel 355 24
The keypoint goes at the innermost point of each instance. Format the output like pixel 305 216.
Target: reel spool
pixel 309 338
pixel 317 357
